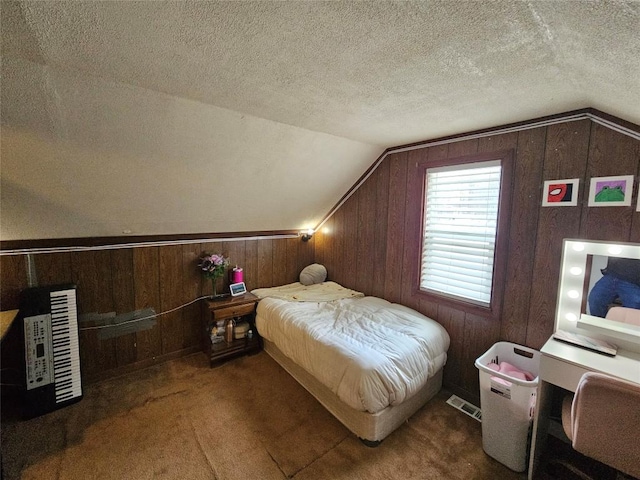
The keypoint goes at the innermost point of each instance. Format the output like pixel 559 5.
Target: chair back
pixel 605 421
pixel 624 315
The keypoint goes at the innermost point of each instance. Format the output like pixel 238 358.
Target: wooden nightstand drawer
pixel 233 311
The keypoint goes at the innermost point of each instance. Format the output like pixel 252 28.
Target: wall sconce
pixel 306 236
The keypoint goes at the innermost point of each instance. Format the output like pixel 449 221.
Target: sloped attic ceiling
pixel 184 117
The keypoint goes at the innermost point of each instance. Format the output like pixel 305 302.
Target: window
pixel 461 220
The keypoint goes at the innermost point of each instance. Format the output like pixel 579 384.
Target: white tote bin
pixel 507 410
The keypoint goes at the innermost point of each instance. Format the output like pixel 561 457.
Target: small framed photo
pixel 237 289
pixel 611 191
pixel 560 193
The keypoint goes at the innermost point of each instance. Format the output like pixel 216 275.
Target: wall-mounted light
pixel 306 236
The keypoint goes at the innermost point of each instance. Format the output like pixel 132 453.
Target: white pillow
pixel 314 273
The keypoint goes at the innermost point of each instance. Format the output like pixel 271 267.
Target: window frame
pixel 505 157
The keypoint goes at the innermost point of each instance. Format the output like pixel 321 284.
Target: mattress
pixel 369 352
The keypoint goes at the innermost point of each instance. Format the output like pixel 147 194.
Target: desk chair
pixel 602 420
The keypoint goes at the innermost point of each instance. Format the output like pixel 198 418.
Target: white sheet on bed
pixel 369 352
pixel 318 292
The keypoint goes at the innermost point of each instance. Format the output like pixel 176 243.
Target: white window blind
pixel 460 224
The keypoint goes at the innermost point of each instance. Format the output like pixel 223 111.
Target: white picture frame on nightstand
pixel 237 289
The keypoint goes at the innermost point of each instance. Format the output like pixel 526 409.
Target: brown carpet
pixel 247 419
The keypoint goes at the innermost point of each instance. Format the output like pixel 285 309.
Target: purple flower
pixel 213 266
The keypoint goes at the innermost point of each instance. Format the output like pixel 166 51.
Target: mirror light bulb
pixel 573 294
pixel 615 250
pixel 575 271
pixel 578 247
pixel 571 317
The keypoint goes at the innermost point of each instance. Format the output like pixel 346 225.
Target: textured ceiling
pixel 351 77
pixel 379 72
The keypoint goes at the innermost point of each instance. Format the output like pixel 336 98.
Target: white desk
pixel 563 365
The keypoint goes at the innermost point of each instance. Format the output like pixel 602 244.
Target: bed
pixel 370 362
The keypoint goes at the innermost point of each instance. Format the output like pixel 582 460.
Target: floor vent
pixel 465 407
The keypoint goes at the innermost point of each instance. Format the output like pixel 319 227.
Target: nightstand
pixel 241 309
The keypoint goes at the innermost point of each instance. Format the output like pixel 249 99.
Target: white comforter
pixel 371 353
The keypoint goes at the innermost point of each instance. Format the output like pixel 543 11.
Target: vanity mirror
pixel 582 261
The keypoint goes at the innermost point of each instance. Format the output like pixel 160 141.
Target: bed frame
pixel 370 428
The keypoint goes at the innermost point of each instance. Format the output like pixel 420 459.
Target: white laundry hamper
pixel 507 409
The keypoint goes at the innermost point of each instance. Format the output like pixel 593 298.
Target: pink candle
pixel 237 275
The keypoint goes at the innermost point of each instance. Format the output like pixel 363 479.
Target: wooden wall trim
pixel 56 245
pixel 614 123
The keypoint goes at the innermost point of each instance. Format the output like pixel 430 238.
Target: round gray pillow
pixel 314 273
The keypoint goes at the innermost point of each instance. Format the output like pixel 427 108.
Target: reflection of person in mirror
pixel 620 283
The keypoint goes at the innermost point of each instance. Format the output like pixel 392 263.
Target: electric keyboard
pixel 52 353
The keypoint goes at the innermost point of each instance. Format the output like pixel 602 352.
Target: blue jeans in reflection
pixel 607 289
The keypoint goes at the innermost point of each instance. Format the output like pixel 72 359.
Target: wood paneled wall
pixel 369 244
pixel 160 277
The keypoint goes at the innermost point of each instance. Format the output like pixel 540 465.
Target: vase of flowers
pixel 213 267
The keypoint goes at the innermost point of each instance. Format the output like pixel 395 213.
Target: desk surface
pixel 625 364
pixel 6 319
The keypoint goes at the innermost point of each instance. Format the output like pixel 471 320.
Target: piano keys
pixel 52 353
